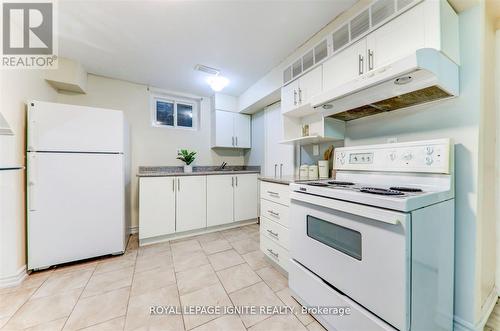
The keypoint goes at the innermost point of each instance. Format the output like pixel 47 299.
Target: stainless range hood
pixel 426 75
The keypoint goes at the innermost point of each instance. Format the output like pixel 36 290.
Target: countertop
pixel 168 171
pixel 286 180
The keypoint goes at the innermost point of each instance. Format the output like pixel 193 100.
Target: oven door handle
pixel 374 213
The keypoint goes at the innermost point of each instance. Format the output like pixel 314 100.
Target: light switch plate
pixel 315 150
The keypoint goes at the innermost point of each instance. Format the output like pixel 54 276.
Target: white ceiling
pixel 159 42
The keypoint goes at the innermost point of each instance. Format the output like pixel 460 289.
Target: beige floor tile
pixel 225 259
pixel 188 260
pixel 111 325
pixel 10 302
pixel 56 325
pixel 33 280
pixel 63 282
pixel 160 260
pixel 138 313
pixel 209 296
pixel 279 322
pixel 108 281
pixel 204 238
pixel 42 310
pixel 237 277
pixel 245 246
pixel 273 278
pixel 255 237
pixel 286 296
pixel 256 295
pixel 150 250
pixel 224 323
pixel 187 246
pixel 256 260
pixel 215 246
pixel 115 263
pixel 4 321
pixel 99 308
pixel 133 242
pixel 196 278
pixel 235 235
pixel 152 279
pixel 315 326
pixel 76 266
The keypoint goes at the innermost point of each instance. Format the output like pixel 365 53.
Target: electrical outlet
pixel 392 140
pixel 315 150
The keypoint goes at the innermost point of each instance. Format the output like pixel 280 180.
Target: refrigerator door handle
pixel 31 182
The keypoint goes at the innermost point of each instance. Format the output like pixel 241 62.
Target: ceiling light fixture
pixel 217 83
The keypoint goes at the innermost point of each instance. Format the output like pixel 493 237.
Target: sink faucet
pixel 222 166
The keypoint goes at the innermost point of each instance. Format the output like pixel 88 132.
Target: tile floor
pixel 222 268
pixel 493 323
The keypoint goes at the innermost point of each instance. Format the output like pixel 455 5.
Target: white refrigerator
pixel 76 178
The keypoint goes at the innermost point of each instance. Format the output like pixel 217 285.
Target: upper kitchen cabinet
pixel 296 96
pixel 231 130
pixel 225 102
pixel 385 32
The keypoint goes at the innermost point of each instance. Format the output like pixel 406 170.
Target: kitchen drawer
pixel 275 192
pixel 274 251
pixel 274 211
pixel 275 231
pixel 310 290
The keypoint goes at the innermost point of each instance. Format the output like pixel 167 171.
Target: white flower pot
pixel 188 168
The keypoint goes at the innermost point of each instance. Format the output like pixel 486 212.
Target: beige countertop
pixel 169 171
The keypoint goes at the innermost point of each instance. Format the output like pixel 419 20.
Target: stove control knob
pixel 428 160
pixel 407 156
pixel 392 156
pixel 429 150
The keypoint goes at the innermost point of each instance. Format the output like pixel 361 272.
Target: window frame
pixel 175 100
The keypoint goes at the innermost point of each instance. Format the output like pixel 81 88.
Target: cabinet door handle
pixel 274 234
pixel 232 140
pixel 281 170
pixel 273 194
pixel 236 179
pixel 360 63
pixel 275 169
pixel 179 184
pixel 276 255
pixel 273 213
pixel 173 185
pixel 232 181
pixel 295 97
pixel 300 96
pixel 370 59
pixel 236 138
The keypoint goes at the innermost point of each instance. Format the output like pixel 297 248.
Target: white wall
pixel 151 146
pixel 17 87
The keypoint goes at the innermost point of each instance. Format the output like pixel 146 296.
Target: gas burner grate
pixel 334 182
pixel 405 189
pixel 317 184
pixel 380 191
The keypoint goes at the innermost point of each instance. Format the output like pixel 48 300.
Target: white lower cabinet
pixel 220 207
pixel 245 197
pixel 274 233
pixel 156 206
pixel 191 204
pixel 169 205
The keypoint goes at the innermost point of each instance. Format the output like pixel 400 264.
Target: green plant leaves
pixel 186 156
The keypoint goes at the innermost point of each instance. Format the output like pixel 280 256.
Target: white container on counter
pixel 313 172
pixel 323 168
pixel 304 171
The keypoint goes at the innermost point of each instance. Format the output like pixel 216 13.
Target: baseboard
pixel 462 325
pixel 133 229
pixel 15 279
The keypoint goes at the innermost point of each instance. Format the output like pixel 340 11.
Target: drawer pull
pixel 273 193
pixel 276 255
pixel 273 213
pixel 275 234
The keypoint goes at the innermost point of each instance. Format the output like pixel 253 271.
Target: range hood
pixel 425 76
pixel 4 126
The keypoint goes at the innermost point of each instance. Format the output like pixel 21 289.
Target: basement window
pixel 174 112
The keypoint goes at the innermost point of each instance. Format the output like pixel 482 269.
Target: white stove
pixel 379 238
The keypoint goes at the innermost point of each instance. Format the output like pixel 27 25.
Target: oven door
pixel 361 251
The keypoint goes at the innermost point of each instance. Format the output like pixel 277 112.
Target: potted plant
pixel 188 158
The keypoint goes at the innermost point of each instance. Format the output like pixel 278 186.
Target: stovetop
pixel 388 195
